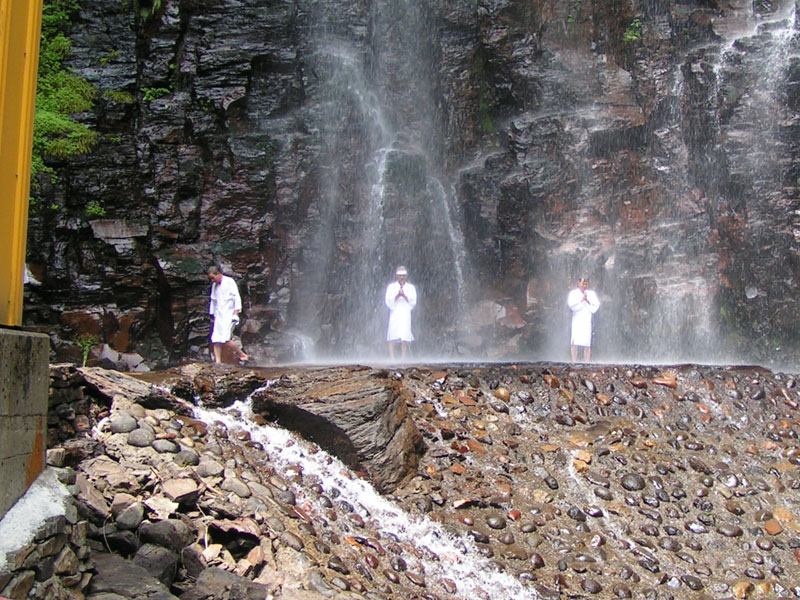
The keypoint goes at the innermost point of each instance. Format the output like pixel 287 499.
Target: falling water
pixel 660 303
pixel 384 200
pixel 751 71
pixel 442 554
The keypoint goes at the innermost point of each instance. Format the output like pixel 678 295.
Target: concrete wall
pixel 24 381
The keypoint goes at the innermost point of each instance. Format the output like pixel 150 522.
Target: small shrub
pixel 573 13
pixel 155 93
pixel 95 210
pixel 114 54
pixel 85 342
pixel 119 96
pixel 147 8
pixel 60 94
pixel 633 32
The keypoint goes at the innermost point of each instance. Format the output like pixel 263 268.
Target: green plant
pixel 119 96
pixel 109 57
pixel 59 94
pixel 147 8
pixel 155 93
pixel 633 32
pixel 94 209
pixel 85 342
pixel 574 10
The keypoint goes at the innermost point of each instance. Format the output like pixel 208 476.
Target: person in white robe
pixel 400 298
pixel 583 303
pixel 225 304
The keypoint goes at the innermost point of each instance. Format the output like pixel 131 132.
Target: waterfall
pixel 384 200
pixel 660 303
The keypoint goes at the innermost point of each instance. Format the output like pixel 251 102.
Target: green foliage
pixel 725 312
pixel 205 104
pixel 59 94
pixel 109 57
pixel 85 341
pixel 576 8
pixel 119 96
pixel 633 32
pixel 147 8
pixel 95 210
pixel 155 93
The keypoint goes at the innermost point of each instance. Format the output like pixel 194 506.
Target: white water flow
pixel 453 558
pixel 751 72
pixel 383 199
pixel 445 198
pixel 660 303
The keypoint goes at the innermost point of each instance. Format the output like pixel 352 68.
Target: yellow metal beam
pixel 20 31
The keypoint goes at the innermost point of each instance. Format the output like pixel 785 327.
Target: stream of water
pixel 442 556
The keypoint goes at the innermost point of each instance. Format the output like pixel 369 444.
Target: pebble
pixel 141 437
pixel 603 493
pixel 187 458
pixel 336 564
pixel 502 393
pixel 496 522
pixel 292 540
pixel 506 538
pixel 236 486
pixel 391 575
pixel 165 446
pixel 123 423
pixel 633 482
pixel 397 563
pixel 773 526
pixel 730 530
pixel 591 586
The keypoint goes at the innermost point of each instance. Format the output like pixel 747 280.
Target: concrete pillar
pixel 24 381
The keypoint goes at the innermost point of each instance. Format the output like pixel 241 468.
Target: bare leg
pixel 232 345
pixel 573 350
pixel 391 350
pixel 217 352
pixel 403 350
pixel 587 354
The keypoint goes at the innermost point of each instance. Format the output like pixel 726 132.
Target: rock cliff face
pixel 499 149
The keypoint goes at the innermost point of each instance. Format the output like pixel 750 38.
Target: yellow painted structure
pixel 20 31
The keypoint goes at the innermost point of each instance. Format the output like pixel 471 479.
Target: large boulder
pixel 120 578
pixel 356 414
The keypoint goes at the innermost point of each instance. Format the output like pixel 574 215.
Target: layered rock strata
pixel 649 147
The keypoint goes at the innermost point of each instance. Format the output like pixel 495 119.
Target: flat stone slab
pixel 115 575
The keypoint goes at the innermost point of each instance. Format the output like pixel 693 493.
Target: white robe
pixel 400 311
pixel 582 312
pixel 224 300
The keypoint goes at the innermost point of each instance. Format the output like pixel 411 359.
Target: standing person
pixel 224 306
pixel 401 298
pixel 583 303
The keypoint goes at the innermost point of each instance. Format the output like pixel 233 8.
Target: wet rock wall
pixel 639 145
